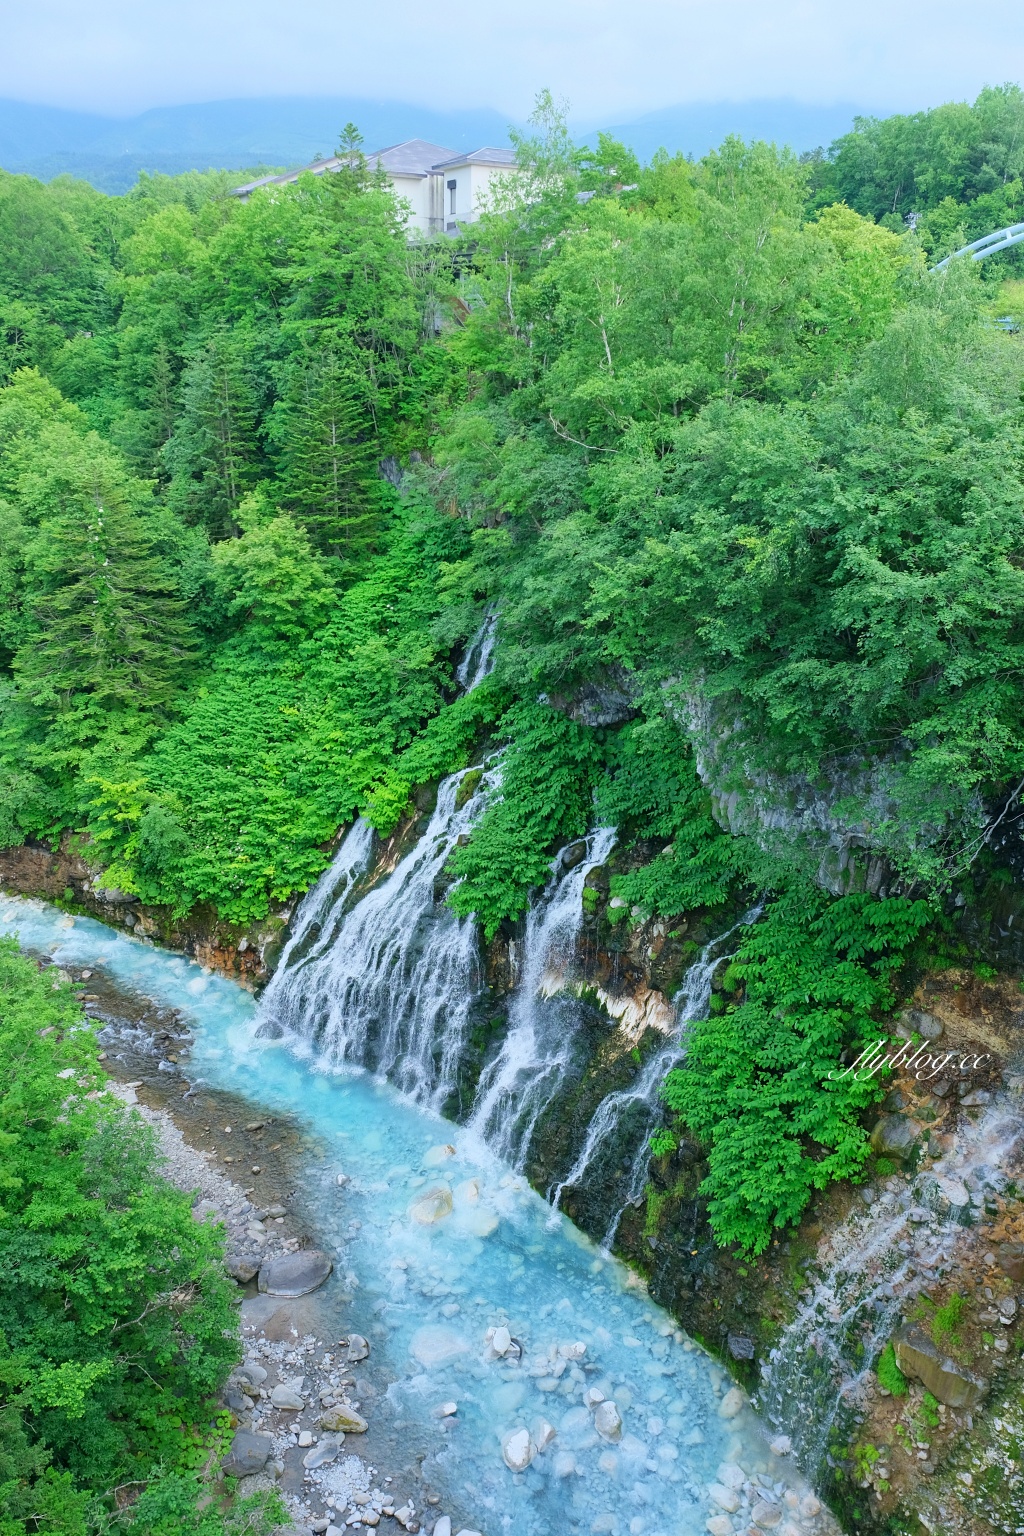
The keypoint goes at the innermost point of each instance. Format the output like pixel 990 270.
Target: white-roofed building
pixel 444 190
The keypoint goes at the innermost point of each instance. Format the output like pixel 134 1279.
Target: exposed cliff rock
pixel 73 877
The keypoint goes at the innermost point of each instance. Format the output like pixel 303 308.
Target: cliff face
pixel 72 877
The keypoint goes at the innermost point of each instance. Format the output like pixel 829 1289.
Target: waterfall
pixel 390 986
pixel 641 1100
pixel 873 1268
pixel 317 920
pixel 538 1050
pixel 478 661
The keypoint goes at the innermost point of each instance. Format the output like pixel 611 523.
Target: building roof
pixel 487 156
pixel 413 157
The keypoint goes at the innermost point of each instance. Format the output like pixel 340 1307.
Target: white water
pixel 873 1267
pixel 541 1041
pixel 424 1295
pixel 644 1094
pixel 392 984
pixel 315 925
pixel 478 661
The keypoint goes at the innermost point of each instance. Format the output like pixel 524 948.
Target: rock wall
pixel 71 876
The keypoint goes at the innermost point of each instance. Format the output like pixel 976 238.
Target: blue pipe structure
pixel 999 240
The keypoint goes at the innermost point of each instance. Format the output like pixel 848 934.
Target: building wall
pixel 416 190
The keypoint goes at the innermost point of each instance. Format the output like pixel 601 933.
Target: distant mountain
pixel 700 126
pixel 290 130
pixel 229 135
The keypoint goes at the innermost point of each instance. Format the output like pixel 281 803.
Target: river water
pixel 427 1293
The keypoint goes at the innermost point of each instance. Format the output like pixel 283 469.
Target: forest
pixel 711 441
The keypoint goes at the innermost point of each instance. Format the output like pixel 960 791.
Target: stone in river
pixel 517 1449
pixel 250 1375
pixel 443 1526
pixel 434 1346
pixel 542 1434
pixel 501 1341
pixel 726 1498
pixel 287 1395
pixel 730 1475
pixel 343 1420
pixel 731 1404
pixel 358 1348
pixel 572 1351
pixel 565 1464
pixel 480 1223
pixel 295 1274
pixel 766 1515
pixel 719 1525
pixel 241 1267
pixel 248 1453
pixel 438 1155
pixel 782 1445
pixel 608 1421
pixel 432 1206
pixel 321 1454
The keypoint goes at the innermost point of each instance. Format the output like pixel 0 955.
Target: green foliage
pixel 545 797
pixel 889 1374
pixel 964 162
pixel 652 790
pixel 763 1085
pixel 946 1320
pixel 116 1324
pixel 290 731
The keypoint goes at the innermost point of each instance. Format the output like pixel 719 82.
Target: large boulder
pixel 894 1136
pixel 945 1379
pixel 241 1267
pixel 295 1274
pixel 518 1450
pixel 432 1206
pixel 248 1453
pixel 344 1421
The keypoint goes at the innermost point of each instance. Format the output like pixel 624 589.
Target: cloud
pixel 607 57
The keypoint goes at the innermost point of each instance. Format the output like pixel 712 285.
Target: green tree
pixel 213 453
pixel 326 459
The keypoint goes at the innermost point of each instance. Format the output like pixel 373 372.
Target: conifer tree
pixel 109 631
pixel 213 454
pixel 327 467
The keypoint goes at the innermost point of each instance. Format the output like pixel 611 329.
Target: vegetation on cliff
pixel 741 478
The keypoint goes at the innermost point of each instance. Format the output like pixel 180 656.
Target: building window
pixel 451 195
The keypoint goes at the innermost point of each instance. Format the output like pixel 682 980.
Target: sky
pixel 603 57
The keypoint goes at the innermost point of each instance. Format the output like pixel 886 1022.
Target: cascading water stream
pixel 478 661
pixel 392 987
pixel 389 983
pixel 640 1101
pixel 540 1044
pixel 874 1267
pixel 316 923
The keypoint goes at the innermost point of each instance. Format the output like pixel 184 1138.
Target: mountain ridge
pixel 243 133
